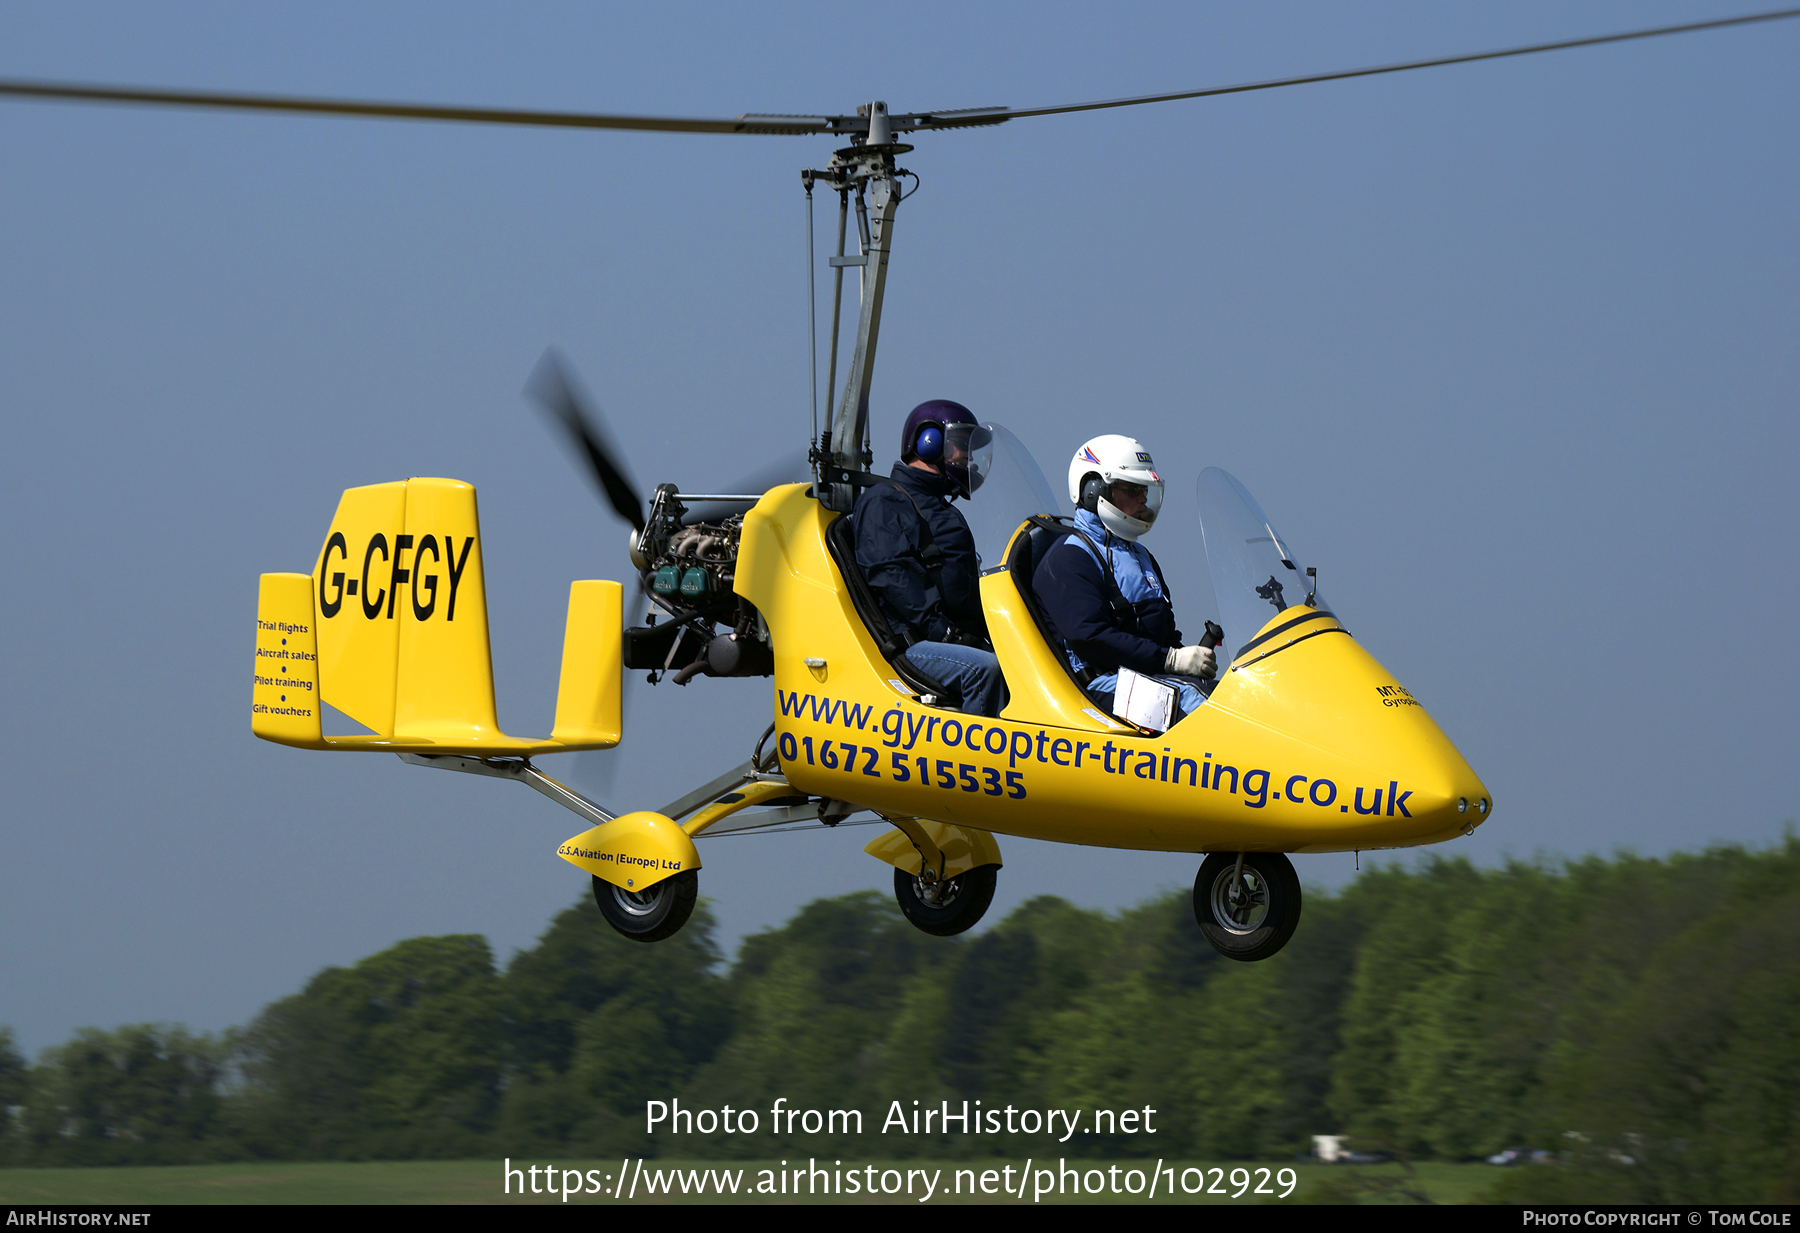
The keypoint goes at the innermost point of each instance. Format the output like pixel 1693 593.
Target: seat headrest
pixel 1036 542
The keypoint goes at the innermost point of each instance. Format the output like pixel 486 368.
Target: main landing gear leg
pixel 647 915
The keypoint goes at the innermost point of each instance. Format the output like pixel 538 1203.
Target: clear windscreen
pixel 968 455
pixel 1013 488
pixel 1255 574
pixel 1140 501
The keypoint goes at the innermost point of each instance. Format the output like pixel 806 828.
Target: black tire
pixel 964 902
pixel 652 914
pixel 1263 926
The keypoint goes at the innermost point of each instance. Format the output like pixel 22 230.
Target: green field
pixel 479 1181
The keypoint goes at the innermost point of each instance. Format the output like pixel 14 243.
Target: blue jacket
pixel 1072 586
pixel 891 544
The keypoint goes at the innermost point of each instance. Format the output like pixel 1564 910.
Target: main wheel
pixel 1251 919
pixel 963 902
pixel 652 914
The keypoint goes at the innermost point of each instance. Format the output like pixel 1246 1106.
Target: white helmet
pixel 1110 460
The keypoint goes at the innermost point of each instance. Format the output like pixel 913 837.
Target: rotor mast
pixel 867 170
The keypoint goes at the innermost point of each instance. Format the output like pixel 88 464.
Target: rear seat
pixel 1028 551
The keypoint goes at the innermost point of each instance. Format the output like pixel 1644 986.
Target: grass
pixel 479 1181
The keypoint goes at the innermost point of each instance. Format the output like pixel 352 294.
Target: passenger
pixel 918 554
pixel 1105 593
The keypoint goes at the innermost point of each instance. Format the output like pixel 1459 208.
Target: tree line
pixel 1633 1017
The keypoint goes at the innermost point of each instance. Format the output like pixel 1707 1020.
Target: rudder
pixel 284 691
pixel 588 694
pixel 444 672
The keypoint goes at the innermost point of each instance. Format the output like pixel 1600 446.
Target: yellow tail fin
pixel 284 693
pixel 587 698
pixel 396 614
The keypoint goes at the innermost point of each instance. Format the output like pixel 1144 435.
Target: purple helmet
pixel 934 414
pixel 946 436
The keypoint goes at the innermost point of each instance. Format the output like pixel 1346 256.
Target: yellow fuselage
pixel 1306 745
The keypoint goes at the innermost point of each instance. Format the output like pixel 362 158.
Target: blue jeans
pixel 976 673
pixel 1188 695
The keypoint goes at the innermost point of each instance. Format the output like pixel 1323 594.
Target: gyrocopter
pixel 1306 743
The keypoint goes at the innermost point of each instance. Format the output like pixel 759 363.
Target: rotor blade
pixel 73 92
pixel 966 117
pixel 557 391
pixel 903 123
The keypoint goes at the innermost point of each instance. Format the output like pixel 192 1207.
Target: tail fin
pixel 397 605
pixel 587 699
pixel 284 694
pixel 444 683
pixel 359 643
pixel 403 633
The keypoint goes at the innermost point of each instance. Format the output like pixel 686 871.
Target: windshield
pixel 968 455
pixel 1255 574
pixel 1013 489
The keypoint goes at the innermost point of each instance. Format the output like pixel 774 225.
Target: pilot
pixel 918 554
pixel 1103 590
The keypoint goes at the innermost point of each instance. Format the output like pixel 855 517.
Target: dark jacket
pixel 891 543
pixel 1073 590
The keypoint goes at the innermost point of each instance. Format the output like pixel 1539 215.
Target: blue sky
pixel 1507 350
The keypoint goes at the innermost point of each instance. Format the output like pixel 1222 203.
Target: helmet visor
pixel 968 455
pixel 1137 496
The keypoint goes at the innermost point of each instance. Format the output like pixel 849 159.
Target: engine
pixel 687 569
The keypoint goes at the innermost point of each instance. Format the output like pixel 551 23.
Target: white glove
pixel 1191 661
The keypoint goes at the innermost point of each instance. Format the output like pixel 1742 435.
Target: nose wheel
pixel 652 914
pixel 948 907
pixel 1247 904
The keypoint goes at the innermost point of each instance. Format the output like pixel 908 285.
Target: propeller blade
pixel 596 771
pixel 554 387
pixel 792 467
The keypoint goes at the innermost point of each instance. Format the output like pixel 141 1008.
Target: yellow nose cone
pixel 1305 678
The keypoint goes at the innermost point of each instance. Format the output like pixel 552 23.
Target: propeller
pixel 793 467
pixel 554 387
pixel 596 771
